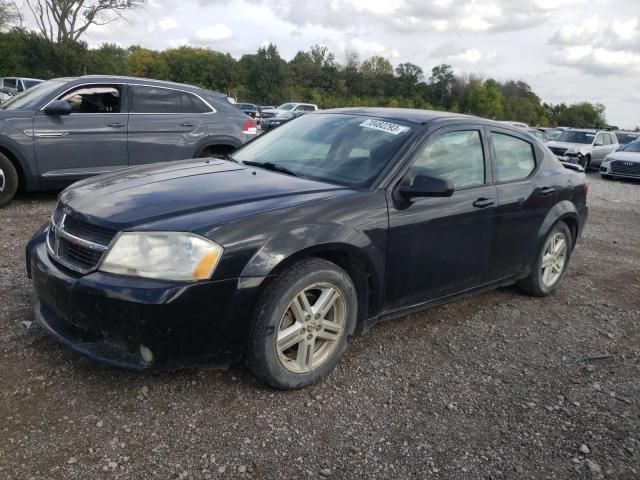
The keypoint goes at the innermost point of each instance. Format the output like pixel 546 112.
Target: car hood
pixel 627 156
pixel 189 195
pixel 567 145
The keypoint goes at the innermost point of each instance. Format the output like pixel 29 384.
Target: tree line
pixel 313 75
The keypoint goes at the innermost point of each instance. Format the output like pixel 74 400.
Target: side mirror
pixel 425 186
pixel 58 107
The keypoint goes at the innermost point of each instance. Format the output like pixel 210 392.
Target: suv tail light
pixel 250 127
pixel 586 189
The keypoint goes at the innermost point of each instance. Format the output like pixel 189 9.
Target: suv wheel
pixel 585 162
pixel 551 263
pixel 8 180
pixel 303 326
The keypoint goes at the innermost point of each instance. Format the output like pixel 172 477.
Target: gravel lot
pixel 497 386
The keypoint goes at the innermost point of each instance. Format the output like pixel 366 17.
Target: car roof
pixel 24 78
pixel 138 81
pixel 406 114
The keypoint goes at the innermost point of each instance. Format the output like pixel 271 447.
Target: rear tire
pixel 295 341
pixel 9 180
pixel 551 263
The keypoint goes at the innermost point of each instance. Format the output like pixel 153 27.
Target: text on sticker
pixel 388 127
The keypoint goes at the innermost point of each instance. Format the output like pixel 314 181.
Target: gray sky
pixel 567 50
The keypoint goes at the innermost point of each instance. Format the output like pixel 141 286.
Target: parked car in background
pixel 18 84
pixel 266 107
pixel 537 133
pixel 280 253
pixel 584 147
pixel 624 163
pixel 67 129
pixel 624 138
pixel 269 123
pixel 250 109
pixel 4 96
pixel 289 107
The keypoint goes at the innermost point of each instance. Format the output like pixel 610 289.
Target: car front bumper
pixel 629 170
pixel 108 317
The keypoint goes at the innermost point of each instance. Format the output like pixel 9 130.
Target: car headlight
pixel 163 255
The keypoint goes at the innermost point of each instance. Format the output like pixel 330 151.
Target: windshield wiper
pixel 271 166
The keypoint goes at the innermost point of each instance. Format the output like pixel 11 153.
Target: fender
pixel 217 140
pixel 27 173
pixel 286 247
pixel 559 211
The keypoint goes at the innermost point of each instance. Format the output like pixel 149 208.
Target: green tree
pixel 442 82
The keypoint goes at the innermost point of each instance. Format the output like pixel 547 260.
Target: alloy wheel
pixel 311 328
pixel 554 259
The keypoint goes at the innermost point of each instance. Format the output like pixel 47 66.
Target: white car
pixel 624 163
pixel 288 107
pixel 584 147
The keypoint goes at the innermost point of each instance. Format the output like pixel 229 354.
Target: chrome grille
pixel 76 244
pixel 624 167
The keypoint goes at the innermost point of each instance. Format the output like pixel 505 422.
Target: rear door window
pixel 515 158
pixel 164 100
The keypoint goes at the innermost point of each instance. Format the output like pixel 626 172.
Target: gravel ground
pixel 497 386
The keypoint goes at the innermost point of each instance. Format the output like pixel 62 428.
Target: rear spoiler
pixel 572 166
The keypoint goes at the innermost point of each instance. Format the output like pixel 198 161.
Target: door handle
pixel 186 124
pixel 484 202
pixel 547 191
pixel 115 125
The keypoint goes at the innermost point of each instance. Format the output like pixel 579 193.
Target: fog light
pixel 146 354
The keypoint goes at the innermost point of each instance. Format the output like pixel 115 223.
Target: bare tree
pixel 9 14
pixel 63 20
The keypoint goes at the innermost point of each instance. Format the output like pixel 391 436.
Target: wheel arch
pixel 564 211
pixel 223 144
pixel 365 274
pixel 25 176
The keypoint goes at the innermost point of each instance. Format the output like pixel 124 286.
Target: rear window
pixel 165 100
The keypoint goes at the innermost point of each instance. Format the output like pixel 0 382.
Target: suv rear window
pixel 164 100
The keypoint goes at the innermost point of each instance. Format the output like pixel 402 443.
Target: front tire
pixel 551 264
pixel 304 324
pixel 585 162
pixel 8 180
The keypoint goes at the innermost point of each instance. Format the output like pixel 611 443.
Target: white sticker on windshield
pixel 391 128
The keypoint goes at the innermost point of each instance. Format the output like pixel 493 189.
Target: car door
pixel 523 199
pixel 92 139
pixel 441 246
pixel 601 147
pixel 165 124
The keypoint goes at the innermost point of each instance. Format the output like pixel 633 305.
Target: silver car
pixel 584 147
pixel 624 163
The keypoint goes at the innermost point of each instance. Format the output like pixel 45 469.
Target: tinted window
pixel 163 100
pixel 457 156
pixel 624 138
pixel 10 83
pixel 633 147
pixel 515 159
pixel 31 83
pixel 343 149
pixel 94 99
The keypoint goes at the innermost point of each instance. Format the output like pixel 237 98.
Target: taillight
pixel 586 189
pixel 250 127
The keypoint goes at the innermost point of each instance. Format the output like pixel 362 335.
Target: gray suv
pixel 67 129
pixel 584 147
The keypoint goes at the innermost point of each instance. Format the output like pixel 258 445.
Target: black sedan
pixel 280 253
pixel 250 109
pixel 273 122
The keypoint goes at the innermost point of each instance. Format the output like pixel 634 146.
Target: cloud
pixel 167 23
pixel 459 55
pixel 215 33
pixel 599 48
